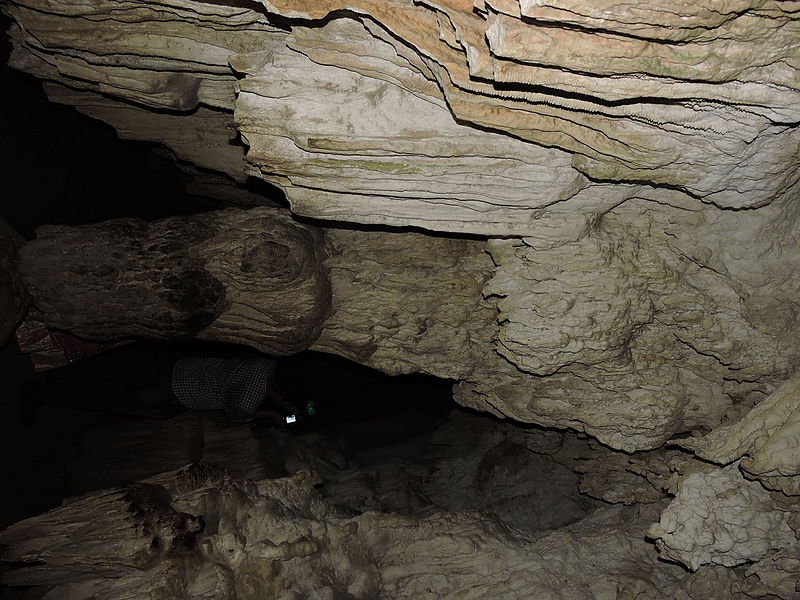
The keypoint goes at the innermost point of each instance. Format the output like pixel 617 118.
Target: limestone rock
pixel 711 582
pixel 203 138
pixel 246 276
pixel 767 437
pixel 645 97
pixel 407 302
pixel 389 137
pixel 631 306
pixel 642 477
pixel 776 575
pixel 207 535
pixel 720 518
pixel 695 145
pixel 640 317
pixel 613 343
pixel 169 82
pixel 636 168
pixel 176 59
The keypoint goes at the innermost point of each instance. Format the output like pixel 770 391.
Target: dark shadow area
pixel 62 450
pixel 61 167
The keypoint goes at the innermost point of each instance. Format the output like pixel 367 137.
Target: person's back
pixel 159 381
pixel 238 385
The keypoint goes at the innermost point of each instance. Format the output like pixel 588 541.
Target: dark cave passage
pixel 584 233
pixel 391 444
pixel 62 167
pixel 84 173
pixel 64 449
pixel 396 445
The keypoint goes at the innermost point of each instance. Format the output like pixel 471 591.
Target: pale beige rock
pixel 649 122
pixel 174 59
pixel 675 19
pixel 378 138
pixel 596 142
pixel 626 360
pixel 608 53
pixel 13 297
pixel 635 315
pixel 718 517
pixel 774 576
pixel 407 302
pixel 175 64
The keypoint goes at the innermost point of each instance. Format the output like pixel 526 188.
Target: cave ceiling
pixel 584 213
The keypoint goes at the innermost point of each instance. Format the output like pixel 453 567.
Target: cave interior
pixel 529 271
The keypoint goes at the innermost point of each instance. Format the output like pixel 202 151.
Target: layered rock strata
pixel 624 291
pixel 13 297
pixel 617 332
pixel 632 170
pixel 200 534
pixel 372 111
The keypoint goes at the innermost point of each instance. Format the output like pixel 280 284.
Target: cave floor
pixel 66 452
pixel 407 461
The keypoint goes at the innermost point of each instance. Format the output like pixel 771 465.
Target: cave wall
pixel 627 176
pixel 624 281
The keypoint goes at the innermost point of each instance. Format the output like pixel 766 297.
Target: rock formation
pixel 494 513
pixel 605 198
pixel 252 277
pixel 279 539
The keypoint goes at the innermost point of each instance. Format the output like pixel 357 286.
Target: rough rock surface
pixel 635 166
pixel 720 518
pixel 768 437
pixel 689 104
pixel 617 331
pixel 625 290
pixel 407 302
pixel 642 317
pixel 691 126
pixel 400 302
pixel 238 276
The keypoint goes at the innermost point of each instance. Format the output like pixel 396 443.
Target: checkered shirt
pixel 236 385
